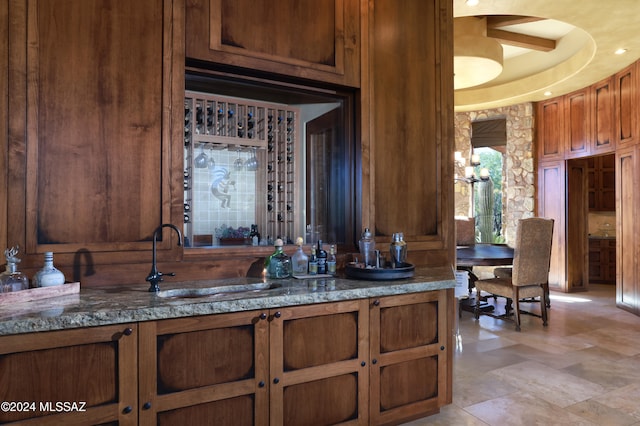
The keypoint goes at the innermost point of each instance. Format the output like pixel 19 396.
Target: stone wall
pixel 518 166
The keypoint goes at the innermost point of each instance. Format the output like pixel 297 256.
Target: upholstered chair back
pixel 532 251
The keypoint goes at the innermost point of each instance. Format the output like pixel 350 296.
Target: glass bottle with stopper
pixel 11 279
pixel 278 265
pixel 299 259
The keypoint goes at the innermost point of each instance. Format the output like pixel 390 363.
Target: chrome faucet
pixel 155 276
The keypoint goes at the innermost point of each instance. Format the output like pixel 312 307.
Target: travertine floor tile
pixel 583 369
pixel 548 384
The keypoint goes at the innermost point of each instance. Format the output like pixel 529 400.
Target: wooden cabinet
pixel 82 376
pixel 320 41
pixel 290 366
pixel 367 361
pixel 200 368
pixel 602 183
pixel 602 139
pixel 626 97
pixel 411 356
pixel 550 133
pixel 602 261
pixel 93 85
pixel 319 358
pixel 577 111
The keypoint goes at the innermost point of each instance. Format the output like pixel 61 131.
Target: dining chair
pixel 530 272
pixel 506 272
pixel 465 231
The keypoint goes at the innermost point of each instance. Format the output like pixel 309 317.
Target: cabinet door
pixel 627 228
pixel 84 376
pixel 410 355
pixel 94 85
pixel 196 369
pixel 318 40
pixel 319 358
pixel 596 271
pixel 406 152
pixel 578 122
pixel 626 105
pixel 551 134
pixel 603 117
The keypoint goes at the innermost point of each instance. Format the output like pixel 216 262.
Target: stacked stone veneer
pixel 518 165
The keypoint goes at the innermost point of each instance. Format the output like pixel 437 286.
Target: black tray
pixel 380 274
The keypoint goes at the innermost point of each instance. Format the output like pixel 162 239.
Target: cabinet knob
pixel 374 361
pixel 363 363
pixel 127 331
pixel 263 316
pixel 260 384
pixel 146 405
pixel 127 409
pixel 376 302
pixel 442 348
pixel 276 380
pixel 278 314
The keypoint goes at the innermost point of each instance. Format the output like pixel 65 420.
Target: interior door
pixel 577 225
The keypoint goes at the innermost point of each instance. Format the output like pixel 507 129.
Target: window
pixel 488 141
pixel 276 158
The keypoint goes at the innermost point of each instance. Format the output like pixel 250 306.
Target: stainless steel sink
pixel 196 292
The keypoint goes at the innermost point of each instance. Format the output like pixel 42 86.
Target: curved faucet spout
pixel 155 276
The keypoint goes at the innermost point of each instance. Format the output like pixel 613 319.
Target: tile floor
pixel 583 369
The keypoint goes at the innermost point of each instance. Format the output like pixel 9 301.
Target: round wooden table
pixel 481 255
pixel 484 255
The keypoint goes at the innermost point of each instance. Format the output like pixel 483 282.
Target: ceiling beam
pixel 522 40
pixel 498 21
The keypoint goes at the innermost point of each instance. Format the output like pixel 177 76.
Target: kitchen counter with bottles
pixel 115 305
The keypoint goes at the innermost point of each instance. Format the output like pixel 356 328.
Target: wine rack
pixel 269 132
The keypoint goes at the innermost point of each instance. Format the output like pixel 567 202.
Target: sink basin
pixel 196 292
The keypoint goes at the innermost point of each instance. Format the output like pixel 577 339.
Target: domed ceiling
pixel 549 47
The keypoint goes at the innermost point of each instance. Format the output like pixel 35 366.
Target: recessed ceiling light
pixel 548 93
pixel 620 51
pixel 472 2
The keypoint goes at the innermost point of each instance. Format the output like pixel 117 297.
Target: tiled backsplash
pixel 236 207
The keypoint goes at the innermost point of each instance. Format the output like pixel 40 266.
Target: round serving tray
pixel 379 274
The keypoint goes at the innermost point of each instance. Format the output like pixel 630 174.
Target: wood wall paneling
pixel 411 125
pixel 319 41
pixel 97 135
pixel 4 123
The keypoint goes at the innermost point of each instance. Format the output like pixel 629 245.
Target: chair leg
pixel 476 309
pixel 543 304
pixel 516 306
pixel 508 306
pixel 547 303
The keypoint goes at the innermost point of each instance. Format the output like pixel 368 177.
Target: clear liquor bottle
pixel 299 259
pixel 11 279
